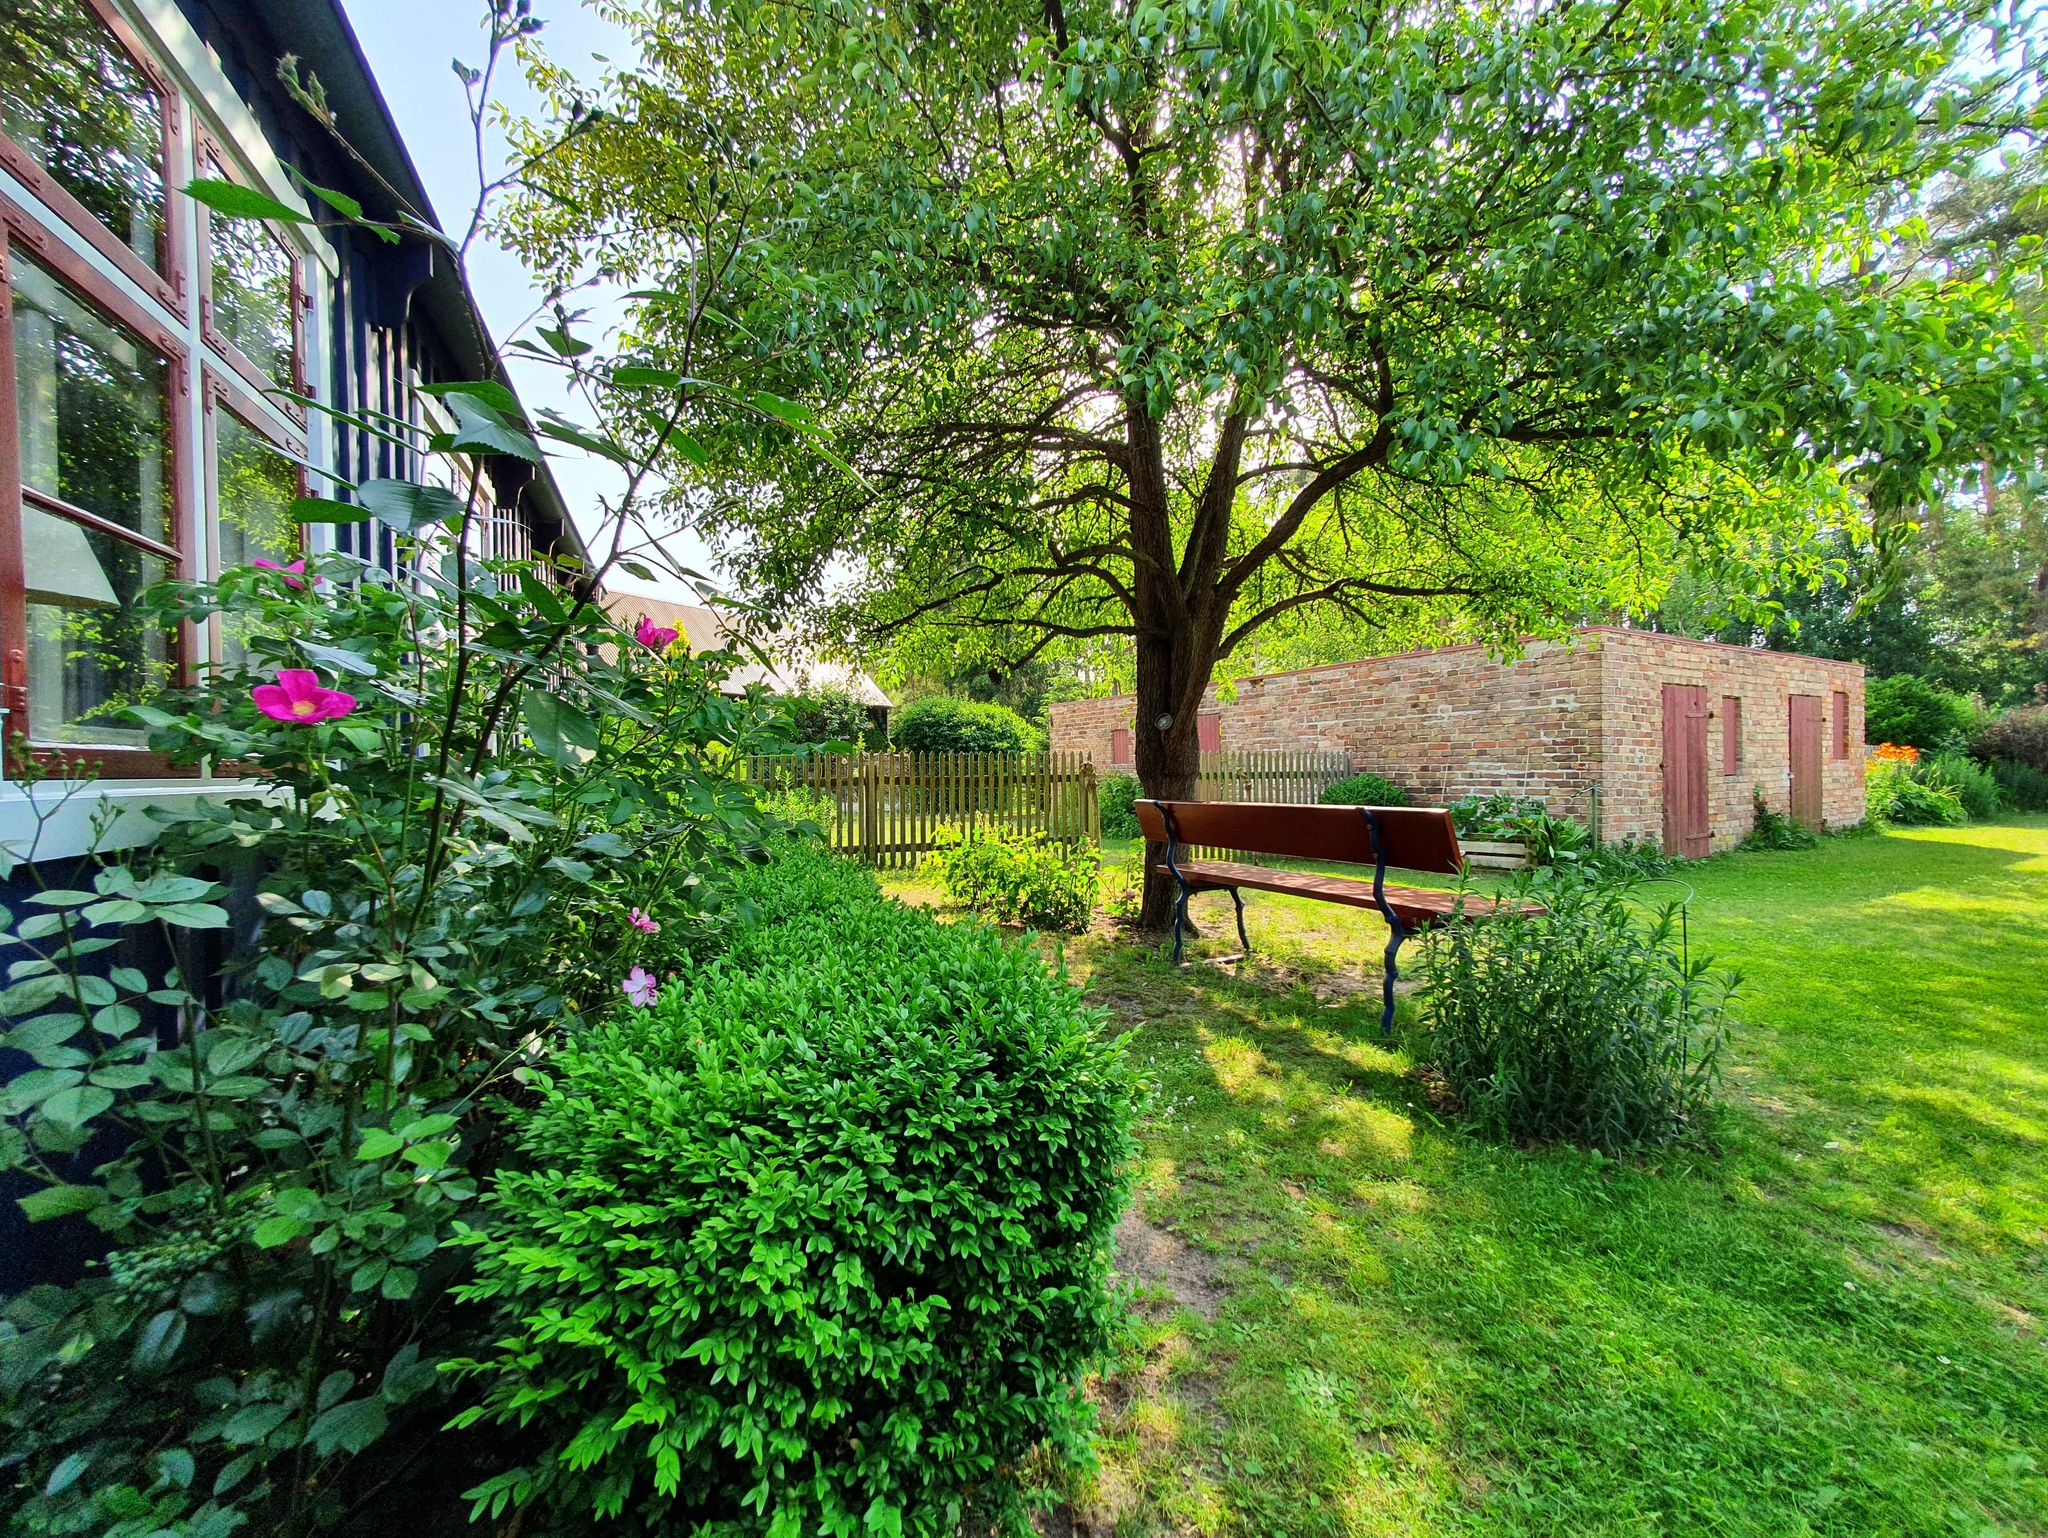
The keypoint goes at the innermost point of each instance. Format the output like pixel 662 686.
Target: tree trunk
pixel 1168 761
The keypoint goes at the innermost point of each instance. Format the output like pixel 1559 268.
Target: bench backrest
pixel 1420 838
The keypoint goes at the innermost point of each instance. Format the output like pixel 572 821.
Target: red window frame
pixel 1838 707
pixel 1119 748
pixel 166 286
pixel 214 163
pixel 1731 734
pixel 1209 732
pixel 223 393
pixel 110 760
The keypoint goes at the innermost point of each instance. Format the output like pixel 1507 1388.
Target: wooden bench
pixel 1409 838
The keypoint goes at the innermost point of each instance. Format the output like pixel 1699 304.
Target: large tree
pixel 1173 321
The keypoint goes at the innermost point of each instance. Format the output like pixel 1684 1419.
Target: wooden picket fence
pixel 887 808
pixel 1298 778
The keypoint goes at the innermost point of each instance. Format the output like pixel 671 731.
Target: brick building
pixel 1662 737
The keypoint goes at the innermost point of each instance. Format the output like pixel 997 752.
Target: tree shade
pixel 1177 322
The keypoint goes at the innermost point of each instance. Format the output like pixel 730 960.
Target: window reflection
pixel 93 432
pixel 75 102
pixel 252 296
pixel 255 485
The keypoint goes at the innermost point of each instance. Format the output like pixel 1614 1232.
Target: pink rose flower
pixel 640 988
pixel 291 574
pixel 656 638
pixel 642 922
pixel 298 699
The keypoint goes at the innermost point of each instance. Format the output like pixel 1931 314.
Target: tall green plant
pixel 474 812
pixel 1585 1023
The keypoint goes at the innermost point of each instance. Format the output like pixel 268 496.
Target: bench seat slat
pixel 1417 907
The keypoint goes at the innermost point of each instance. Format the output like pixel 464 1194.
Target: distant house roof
pixel 792 669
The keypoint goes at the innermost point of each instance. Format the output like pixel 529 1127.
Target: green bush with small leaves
pixel 1118 796
pixel 2024 787
pixel 1365 790
pixel 819 1244
pixel 1908 710
pixel 1589 1023
pixel 943 725
pixel 1016 878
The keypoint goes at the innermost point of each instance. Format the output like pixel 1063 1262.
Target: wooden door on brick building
pixel 1802 754
pixel 1686 829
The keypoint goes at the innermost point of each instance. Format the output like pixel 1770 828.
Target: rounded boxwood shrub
pixel 941 725
pixel 818 1244
pixel 1365 790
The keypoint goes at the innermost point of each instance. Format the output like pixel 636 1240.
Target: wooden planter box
pixel 1496 854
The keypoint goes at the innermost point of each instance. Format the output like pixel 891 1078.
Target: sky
pixel 412 45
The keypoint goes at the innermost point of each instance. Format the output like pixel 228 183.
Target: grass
pixel 1353 1318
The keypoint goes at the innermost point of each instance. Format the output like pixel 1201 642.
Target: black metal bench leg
pixel 1394 938
pixel 1180 920
pixel 1242 938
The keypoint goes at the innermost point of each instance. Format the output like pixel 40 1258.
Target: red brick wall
pixel 1556 723
pixel 1637 664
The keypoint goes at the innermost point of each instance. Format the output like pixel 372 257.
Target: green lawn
pixel 1355 1319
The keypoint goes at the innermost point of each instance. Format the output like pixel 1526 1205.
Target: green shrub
pixel 2024 787
pixel 1586 1024
pixel 1895 793
pixel 1016 878
pixel 1908 710
pixel 820 1244
pixel 1522 820
pixel 1975 786
pixel 1117 795
pixel 1493 816
pixel 829 714
pixel 942 725
pixel 1632 859
pixel 1772 831
pixel 1365 790
pixel 2017 737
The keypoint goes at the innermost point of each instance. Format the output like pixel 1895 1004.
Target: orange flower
pixel 1896 753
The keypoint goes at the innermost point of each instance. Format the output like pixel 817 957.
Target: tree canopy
pixel 1176 322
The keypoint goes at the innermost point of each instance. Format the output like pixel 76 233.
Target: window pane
pixel 88 648
pixel 91 403
pixel 256 486
pixel 74 100
pixel 252 296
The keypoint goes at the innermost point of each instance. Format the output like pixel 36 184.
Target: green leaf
pixel 61 1201
pixel 276 1231
pixel 655 378
pixel 340 202
pixel 558 728
pixel 559 340
pixel 483 431
pixel 348 1427
pixel 252 1423
pixel 564 432
pixel 340 659
pixel 193 915
pixel 239 202
pixel 489 391
pixel 158 1343
pixel 408 506
pixel 76 1106
pixel 379 1143
pixel 175 1467
pixel 66 1473
pixel 326 510
pixel 688 448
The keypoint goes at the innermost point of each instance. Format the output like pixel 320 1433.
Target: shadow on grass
pixel 1426 1330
